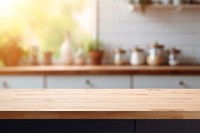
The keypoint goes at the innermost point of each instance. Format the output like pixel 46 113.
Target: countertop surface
pixel 100 103
pixel 104 69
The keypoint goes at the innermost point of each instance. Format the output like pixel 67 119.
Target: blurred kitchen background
pixel 40 27
pixel 99 43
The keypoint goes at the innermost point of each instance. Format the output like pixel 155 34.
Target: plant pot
pixel 47 58
pixel 1 54
pixel 12 56
pixel 96 57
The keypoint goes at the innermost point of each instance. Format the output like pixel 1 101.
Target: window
pixel 43 22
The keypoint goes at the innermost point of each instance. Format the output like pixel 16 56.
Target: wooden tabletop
pixel 100 103
pixel 102 70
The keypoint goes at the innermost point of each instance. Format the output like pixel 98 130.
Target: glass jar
pixel 174 57
pixel 34 52
pixel 137 56
pixel 155 54
pixel 79 56
pixel 119 57
pixel 47 57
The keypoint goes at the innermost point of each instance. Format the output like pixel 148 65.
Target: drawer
pixel 21 82
pixel 88 81
pixel 157 81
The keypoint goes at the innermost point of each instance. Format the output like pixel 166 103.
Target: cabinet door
pixel 157 81
pixel 21 82
pixel 101 81
pixel 167 126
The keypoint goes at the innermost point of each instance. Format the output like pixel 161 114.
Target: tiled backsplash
pixel 118 27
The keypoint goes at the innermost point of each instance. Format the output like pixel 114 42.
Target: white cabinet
pixel 100 81
pixel 21 81
pixel 157 81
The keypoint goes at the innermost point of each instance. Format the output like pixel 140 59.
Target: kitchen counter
pixel 100 70
pixel 100 104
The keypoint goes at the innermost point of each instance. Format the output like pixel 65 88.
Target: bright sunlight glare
pixel 43 22
pixel 7 8
pixel 85 20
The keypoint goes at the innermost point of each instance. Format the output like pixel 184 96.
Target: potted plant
pixel 11 51
pixel 95 50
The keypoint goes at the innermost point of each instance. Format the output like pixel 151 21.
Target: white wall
pixel 120 28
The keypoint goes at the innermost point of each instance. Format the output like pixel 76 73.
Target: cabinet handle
pixel 87 82
pixel 183 84
pixel 5 84
pixel 90 85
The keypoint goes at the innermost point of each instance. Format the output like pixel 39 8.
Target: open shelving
pixel 136 7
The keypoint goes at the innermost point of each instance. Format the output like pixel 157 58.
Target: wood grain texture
pixel 100 104
pixel 100 70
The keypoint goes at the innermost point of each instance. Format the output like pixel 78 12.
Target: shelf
pixel 101 70
pixel 135 7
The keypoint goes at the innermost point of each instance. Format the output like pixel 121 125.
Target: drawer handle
pixel 183 84
pixel 90 85
pixel 87 82
pixel 5 84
